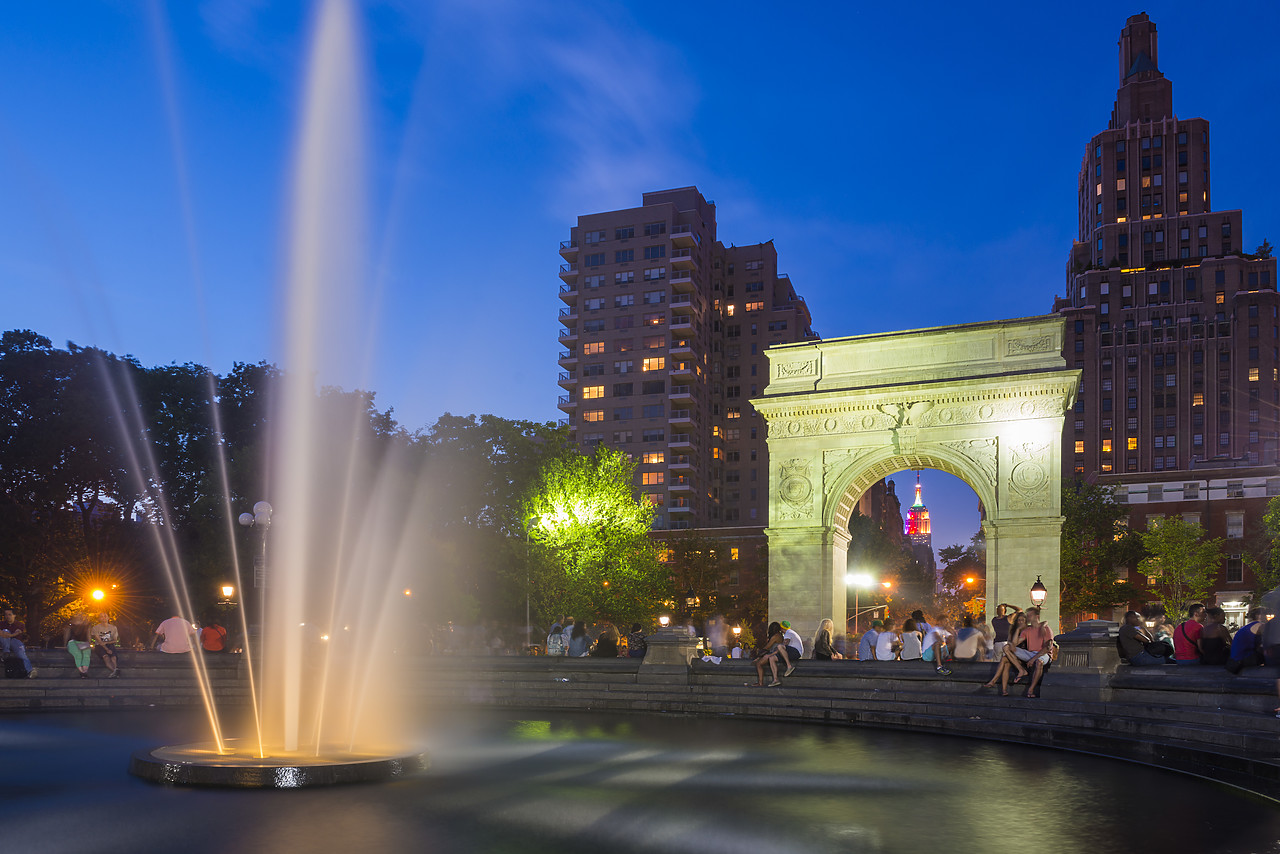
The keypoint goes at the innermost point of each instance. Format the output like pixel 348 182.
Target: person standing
pixel 106 640
pixel 174 635
pixel 12 636
pixel 867 646
pixel 1186 636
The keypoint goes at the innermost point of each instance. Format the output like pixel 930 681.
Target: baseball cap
pixel 785 624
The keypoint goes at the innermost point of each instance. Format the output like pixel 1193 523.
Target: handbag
pixel 1160 648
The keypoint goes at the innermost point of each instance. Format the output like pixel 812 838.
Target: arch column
pixel 1018 552
pixel 806 577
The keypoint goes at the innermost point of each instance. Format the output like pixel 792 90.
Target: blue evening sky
pixel 916 165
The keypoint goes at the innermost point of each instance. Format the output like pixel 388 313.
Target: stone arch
pixel 984 402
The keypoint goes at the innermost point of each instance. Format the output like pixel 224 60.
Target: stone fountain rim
pixel 272 773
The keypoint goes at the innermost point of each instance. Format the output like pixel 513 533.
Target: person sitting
pixel 775 649
pixel 1188 632
pixel 936 646
pixel 912 642
pixel 579 643
pixel 867 646
pixel 1138 647
pixel 970 643
pixel 888 642
pixel 822 647
pixel 1009 661
pixel 637 646
pixel 1039 651
pixel 606 644
pixel 1214 643
pixel 795 646
pixel 1246 645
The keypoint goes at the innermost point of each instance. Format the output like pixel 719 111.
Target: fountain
pixel 345 548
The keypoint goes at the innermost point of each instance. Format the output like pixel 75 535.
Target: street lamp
pixel 1038 592
pixel 690 602
pixel 857 580
pixel 260 518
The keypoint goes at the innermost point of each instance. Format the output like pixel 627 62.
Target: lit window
pixel 1119 184
pixel 729 309
pixel 654 457
pixel 1197 399
pixel 733 553
pixel 1080 446
pixel 1220 297
pixel 755 306
pixel 652 478
pixel 717 454
pixel 657 499
pixel 593 415
pixel 733 412
pixel 591 392
pixel 592 348
pixel 1253 375
pixel 1132 443
pixel 1106 446
pixel 654 363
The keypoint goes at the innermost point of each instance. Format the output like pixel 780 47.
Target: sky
pixel 915 164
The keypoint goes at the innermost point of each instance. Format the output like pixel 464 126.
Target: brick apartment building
pixel 664 329
pixel 1173 324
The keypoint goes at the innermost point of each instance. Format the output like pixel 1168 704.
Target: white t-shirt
pixel 177 635
pixel 790 637
pixel 935 634
pixel 967 646
pixel 870 639
pixel 884 646
pixel 736 652
pixel 910 646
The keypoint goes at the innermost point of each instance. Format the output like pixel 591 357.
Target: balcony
pixel 568 378
pixel 569 292
pixel 678 369
pixel 569 272
pixel 682 237
pixel 568 336
pixel 681 416
pixel 569 312
pixel 568 359
pixel 681 392
pixel 681 462
pixel 680 279
pixel 569 250
pixel 681 484
pixel 567 402
pixel 682 299
pixel 683 259
pixel 681 347
pixel 680 505
pixel 680 440
pixel 681 321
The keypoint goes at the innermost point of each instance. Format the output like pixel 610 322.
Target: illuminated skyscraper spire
pixel 918 530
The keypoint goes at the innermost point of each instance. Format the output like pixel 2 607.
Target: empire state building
pixel 918 531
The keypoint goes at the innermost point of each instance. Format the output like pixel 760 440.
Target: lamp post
pixel 260 518
pixel 1038 592
pixel 533 522
pixel 857 580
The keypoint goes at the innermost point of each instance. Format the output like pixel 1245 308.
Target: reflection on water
pixel 570 783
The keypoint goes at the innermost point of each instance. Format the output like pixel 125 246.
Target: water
pixel 593 783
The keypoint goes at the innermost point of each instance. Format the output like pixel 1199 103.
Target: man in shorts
pixel 1039 649
pixel 937 645
pixel 106 640
pixel 795 646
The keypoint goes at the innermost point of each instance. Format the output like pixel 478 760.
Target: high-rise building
pixel 919 532
pixel 664 329
pixel 1172 322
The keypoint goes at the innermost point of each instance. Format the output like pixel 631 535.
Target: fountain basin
pixel 200 764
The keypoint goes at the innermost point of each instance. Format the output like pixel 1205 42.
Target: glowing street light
pixel 1038 592
pixel 228 591
pixel 98 595
pixel 857 580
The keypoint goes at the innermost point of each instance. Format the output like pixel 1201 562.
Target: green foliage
pixel 592 555
pixel 1184 563
pixel 1267 572
pixel 959 564
pixel 1263 251
pixel 1095 545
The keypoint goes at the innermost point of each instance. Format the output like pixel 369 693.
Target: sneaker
pixel 942 671
pixel 775 683
pixel 113 674
pixel 790 670
pixel 84 675
pixel 31 674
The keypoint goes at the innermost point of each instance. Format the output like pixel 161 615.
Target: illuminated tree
pixel 1183 563
pixel 591 555
pixel 1095 544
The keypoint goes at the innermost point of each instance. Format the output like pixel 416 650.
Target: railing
pixel 681 320
pixel 678 276
pixel 566 288
pixel 568 333
pixel 568 268
pixel 568 354
pixel 682 230
pixel 680 460
pixel 568 311
pixel 681 299
pixel 568 244
pixel 679 438
pixel 565 376
pixel 677 390
pixel 567 398
pixel 677 414
pixel 682 253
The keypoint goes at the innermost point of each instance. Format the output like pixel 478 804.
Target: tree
pixel 1267 570
pixel 1095 545
pixel 699 564
pixel 964 574
pixel 593 556
pixel 1183 562
pixel 875 551
pixel 1263 251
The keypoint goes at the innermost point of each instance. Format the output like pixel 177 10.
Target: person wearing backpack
pixel 555 638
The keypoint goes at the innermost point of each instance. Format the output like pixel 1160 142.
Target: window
pixel 593 304
pixel 1235 569
pixel 1235 526
pixel 655 319
pixel 594 260
pixel 755 306
pixel 622 413
pixel 753 287
pixel 653 458
pixel 777 325
pixel 1079 446
pixel 593 326
pixel 624 300
pixel 657 499
pixel 653 387
pixel 1106 446
pixel 594 237
pixel 654 274
pixel 657 435
pixel 624 322
pixel 652 252
pixel 593 282
pixel 592 439
pixel 592 392
pixel 624 278
pixel 622 437
pixel 591 348
pixel 653 410
pixel 596 370
pixel 1132 443
pixel 654 363
pixel 593 415
pixel 624 256
pixel 654 228
pixel 655 342
pixel 624 367
pixel 653 478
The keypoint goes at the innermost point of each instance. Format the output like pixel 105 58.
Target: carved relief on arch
pixel 983 453
pixel 795 488
pixel 1029 479
pixel 836 464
